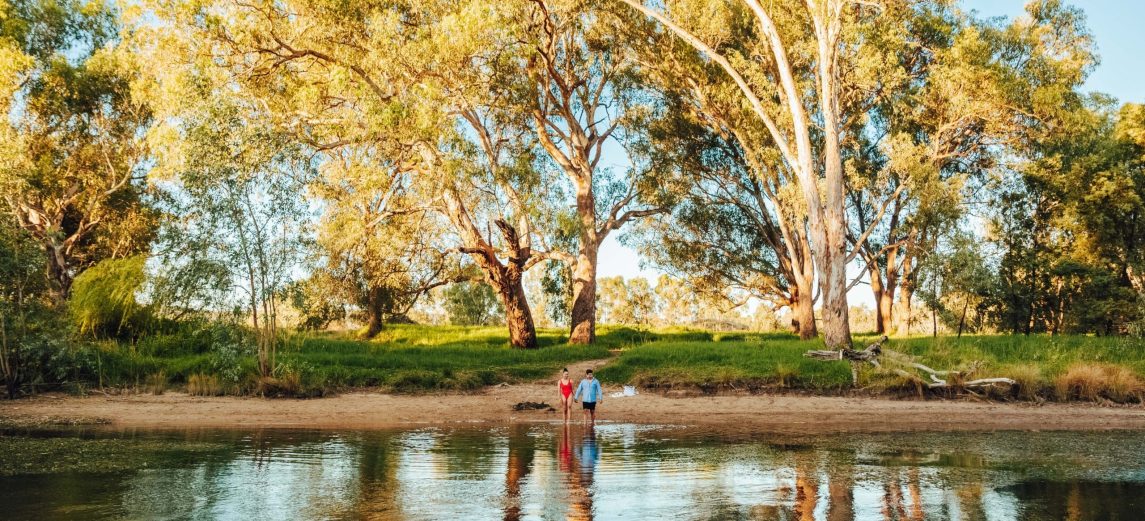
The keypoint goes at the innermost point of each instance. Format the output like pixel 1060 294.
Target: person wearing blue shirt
pixel 593 394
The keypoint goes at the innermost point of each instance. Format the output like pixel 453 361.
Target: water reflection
pixel 529 471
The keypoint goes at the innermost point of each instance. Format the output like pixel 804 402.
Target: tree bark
pixel 905 295
pixel 374 312
pixel 877 290
pixel 836 328
pixel 518 316
pixel 58 273
pixel 886 317
pixel 803 309
pixel 582 327
pixel 962 319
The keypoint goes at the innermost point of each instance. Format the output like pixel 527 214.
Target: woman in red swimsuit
pixel 564 386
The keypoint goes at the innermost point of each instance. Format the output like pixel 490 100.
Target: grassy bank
pixel 403 358
pixel 411 358
pixel 1046 368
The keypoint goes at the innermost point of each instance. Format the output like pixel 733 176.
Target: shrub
pixel 102 302
pixel 1089 381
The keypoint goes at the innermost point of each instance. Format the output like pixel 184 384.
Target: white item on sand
pixel 628 391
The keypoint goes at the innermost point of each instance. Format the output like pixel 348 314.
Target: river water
pixel 547 471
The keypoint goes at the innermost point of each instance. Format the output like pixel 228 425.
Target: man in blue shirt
pixel 593 395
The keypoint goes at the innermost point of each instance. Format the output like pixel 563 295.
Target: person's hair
pixel 588 371
pixel 565 370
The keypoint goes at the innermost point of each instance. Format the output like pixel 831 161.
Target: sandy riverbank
pixel 759 413
pixel 376 411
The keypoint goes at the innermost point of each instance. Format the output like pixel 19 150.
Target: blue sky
pixel 1117 28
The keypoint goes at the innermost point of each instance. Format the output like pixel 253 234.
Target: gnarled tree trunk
pixel 518 316
pixel 803 313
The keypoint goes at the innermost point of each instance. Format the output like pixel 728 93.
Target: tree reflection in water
pixel 534 471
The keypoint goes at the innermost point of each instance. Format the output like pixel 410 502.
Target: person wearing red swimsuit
pixel 564 387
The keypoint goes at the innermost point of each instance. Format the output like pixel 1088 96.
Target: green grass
pixel 408 358
pixel 777 362
pixel 750 364
pixel 403 358
pixel 414 358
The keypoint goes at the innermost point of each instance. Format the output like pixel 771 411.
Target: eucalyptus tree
pixel 424 83
pixel 788 61
pixel 585 89
pixel 734 229
pixel 927 142
pixel 865 104
pixel 376 250
pixel 73 157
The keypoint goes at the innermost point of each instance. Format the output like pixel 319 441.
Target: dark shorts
pixel 589 406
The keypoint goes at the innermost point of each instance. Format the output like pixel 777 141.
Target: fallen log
pixel 870 354
pixel 941 384
pixel 938 379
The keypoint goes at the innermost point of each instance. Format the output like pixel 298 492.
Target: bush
pixel 102 302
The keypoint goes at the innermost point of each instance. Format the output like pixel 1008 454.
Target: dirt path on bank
pixel 367 410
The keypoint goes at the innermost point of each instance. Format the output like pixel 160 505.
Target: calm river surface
pixel 545 471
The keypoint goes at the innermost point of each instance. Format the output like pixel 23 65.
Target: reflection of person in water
pixel 580 472
pixel 565 461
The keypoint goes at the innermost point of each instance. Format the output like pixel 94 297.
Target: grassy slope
pixel 447 357
pixel 411 357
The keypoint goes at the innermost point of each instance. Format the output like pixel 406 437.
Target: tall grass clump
pixel 1030 383
pixel 204 385
pixel 157 383
pixel 1094 381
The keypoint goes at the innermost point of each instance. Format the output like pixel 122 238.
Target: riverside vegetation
pixel 187 187
pixel 214 360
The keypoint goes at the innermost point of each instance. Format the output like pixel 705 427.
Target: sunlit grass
pixel 1037 362
pixel 407 358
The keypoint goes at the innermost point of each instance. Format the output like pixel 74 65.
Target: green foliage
pixel 103 301
pixel 621 301
pixel 31 331
pixel 1069 229
pixel 72 151
pixel 472 303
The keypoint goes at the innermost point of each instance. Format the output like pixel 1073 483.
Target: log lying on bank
pixel 870 354
pixel 938 379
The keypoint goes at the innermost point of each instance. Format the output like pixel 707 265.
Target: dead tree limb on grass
pixel 938 379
